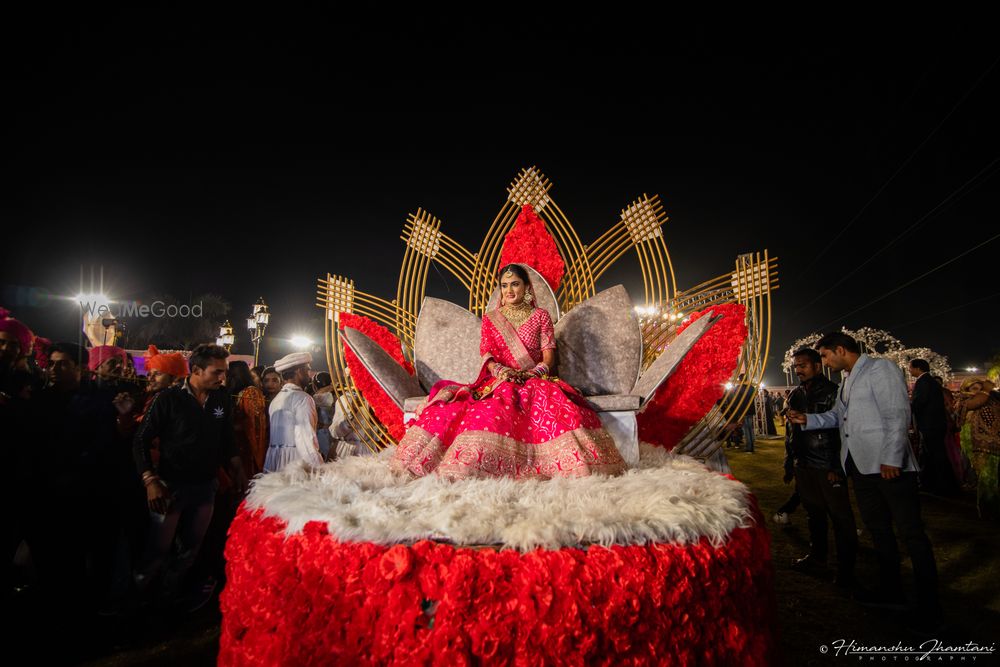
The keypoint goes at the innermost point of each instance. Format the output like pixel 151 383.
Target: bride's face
pixel 512 288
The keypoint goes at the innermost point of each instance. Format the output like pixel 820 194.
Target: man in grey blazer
pixel 872 411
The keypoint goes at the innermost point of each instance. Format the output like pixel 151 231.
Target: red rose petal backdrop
pixel 529 242
pixel 385 408
pixel 699 381
pixel 309 599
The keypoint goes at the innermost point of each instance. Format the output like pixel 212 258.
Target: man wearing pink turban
pixel 15 339
pixel 15 346
pixel 107 361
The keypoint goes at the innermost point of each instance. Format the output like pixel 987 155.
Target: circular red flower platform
pixel 308 599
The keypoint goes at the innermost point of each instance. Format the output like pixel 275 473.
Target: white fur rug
pixel 665 498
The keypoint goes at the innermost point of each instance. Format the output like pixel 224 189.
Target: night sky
pixel 249 155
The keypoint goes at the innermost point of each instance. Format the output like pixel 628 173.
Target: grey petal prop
pixel 600 345
pixel 614 403
pixel 392 377
pixel 667 362
pixel 446 344
pixel 545 297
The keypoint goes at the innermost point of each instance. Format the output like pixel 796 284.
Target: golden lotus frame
pixel 639 229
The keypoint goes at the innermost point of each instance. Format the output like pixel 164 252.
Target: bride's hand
pixel 443 396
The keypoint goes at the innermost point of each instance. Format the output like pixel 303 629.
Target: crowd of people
pixel 125 484
pixel 892 443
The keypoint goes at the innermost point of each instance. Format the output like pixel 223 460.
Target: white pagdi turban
pixel 292 360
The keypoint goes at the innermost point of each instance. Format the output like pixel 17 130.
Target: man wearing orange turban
pixel 162 370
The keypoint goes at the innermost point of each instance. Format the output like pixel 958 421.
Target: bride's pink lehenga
pixel 492 428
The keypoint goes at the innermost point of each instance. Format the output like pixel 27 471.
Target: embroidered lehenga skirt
pixel 540 429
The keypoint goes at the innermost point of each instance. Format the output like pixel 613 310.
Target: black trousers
pixel 936 474
pixel 882 503
pixel 822 500
pixel 792 503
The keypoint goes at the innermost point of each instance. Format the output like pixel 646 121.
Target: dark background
pixel 248 155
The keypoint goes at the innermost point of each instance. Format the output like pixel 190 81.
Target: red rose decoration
pixel 305 599
pixel 699 381
pixel 395 562
pixel 385 408
pixel 529 242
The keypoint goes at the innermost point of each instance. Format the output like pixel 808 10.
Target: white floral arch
pixel 879 343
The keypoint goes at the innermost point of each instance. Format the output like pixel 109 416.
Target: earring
pixel 529 298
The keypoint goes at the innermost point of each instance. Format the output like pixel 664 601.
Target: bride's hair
pixel 517 270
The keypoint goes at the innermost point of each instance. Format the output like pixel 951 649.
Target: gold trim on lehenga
pixel 483 454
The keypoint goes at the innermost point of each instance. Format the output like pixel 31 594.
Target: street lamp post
pixel 256 324
pixel 226 337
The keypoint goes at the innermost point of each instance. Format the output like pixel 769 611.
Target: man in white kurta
pixel 293 417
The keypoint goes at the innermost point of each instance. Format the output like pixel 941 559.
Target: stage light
pixel 301 342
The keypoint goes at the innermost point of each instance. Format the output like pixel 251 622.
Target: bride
pixel 517 419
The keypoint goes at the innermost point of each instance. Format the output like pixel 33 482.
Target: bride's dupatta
pixel 485 383
pixel 510 337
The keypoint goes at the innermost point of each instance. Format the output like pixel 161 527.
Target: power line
pixel 902 166
pixel 910 282
pixel 957 193
pixel 946 310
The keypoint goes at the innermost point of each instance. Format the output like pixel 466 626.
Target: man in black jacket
pixel 194 426
pixel 814 457
pixel 931 421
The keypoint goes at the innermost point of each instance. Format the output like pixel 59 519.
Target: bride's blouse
pixel 537 334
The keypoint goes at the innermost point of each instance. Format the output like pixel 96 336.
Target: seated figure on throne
pixel 517 419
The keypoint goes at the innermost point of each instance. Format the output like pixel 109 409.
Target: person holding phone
pixel 872 412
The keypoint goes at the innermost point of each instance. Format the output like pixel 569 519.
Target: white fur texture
pixel 665 498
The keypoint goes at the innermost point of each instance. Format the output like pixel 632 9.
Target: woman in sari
pixel 249 417
pixel 978 417
pixel 516 419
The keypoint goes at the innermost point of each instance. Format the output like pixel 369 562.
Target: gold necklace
pixel 517 314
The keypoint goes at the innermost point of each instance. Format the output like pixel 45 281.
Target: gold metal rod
pixel 458 267
pixel 492 260
pixel 460 255
pixel 585 282
pixel 610 255
pixel 481 267
pixel 597 247
pixel 487 256
pixel 645 274
pixel 458 249
pixel 670 264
